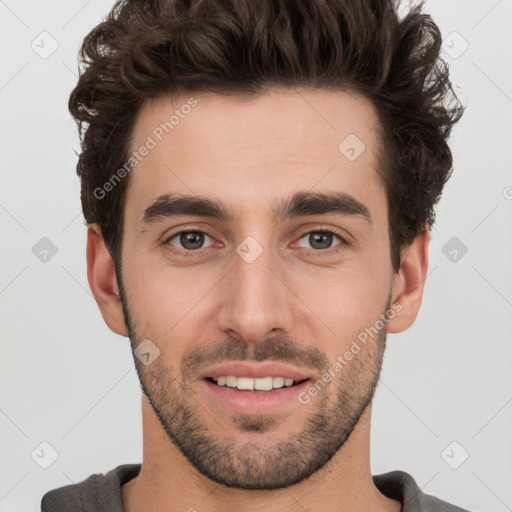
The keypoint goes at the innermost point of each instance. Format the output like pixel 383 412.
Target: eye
pixel 189 240
pixel 322 239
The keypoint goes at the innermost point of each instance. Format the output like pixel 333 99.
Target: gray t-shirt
pixel 102 493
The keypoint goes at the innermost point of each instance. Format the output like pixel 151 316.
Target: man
pixel 259 180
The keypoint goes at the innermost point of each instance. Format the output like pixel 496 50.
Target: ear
pixel 103 282
pixel 409 281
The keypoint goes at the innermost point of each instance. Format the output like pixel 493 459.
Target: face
pixel 253 238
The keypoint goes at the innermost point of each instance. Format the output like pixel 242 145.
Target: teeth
pixel 245 383
pixel 278 382
pixel 263 384
pixel 248 383
pixel 231 381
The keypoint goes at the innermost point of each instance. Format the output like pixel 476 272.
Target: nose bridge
pixel 256 300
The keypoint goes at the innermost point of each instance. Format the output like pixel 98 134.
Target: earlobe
pixel 409 282
pixel 103 282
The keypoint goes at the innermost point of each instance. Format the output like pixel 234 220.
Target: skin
pixel 250 154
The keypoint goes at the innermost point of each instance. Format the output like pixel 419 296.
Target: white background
pixel 67 380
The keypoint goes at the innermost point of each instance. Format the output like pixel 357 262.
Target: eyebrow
pixel 299 204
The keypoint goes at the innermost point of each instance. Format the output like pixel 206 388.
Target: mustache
pixel 271 349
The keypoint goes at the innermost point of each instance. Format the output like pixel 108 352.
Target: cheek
pixel 162 297
pixel 347 301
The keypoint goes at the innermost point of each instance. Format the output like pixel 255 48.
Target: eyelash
pixel 315 252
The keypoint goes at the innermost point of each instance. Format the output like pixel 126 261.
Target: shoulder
pixel 402 486
pixel 99 492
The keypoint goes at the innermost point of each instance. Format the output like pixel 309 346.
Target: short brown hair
pixel 149 48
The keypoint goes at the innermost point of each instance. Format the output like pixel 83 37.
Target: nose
pixel 254 299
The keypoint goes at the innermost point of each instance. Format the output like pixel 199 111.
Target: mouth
pixel 254 388
pixel 238 400
pixel 254 385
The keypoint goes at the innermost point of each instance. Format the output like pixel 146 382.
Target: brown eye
pixel 321 239
pixel 189 240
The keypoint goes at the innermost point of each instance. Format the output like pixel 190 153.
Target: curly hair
pixel 145 49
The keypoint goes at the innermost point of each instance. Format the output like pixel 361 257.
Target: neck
pixel 168 482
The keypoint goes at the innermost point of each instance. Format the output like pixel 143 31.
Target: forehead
pixel 246 151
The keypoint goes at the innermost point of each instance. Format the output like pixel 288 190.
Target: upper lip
pixel 254 370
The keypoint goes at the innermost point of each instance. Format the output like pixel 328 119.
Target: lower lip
pixel 254 403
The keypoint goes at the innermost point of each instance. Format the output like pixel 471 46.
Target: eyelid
pixel 344 240
pixel 168 238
